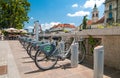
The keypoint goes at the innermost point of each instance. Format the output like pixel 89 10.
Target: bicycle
pixel 47 55
pixel 34 45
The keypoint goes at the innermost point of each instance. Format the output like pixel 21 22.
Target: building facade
pixel 95 22
pixel 112 11
pixel 62 27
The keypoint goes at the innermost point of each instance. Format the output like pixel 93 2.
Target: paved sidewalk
pixel 7 59
pixel 21 66
pixel 3 59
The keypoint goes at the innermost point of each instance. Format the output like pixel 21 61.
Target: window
pixel 110 7
pixel 97 15
pixel 110 15
pixel 93 15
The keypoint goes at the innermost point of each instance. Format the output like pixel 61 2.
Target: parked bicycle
pixel 48 54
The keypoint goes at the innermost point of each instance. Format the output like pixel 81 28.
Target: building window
pixel 97 15
pixel 110 15
pixel 93 15
pixel 110 7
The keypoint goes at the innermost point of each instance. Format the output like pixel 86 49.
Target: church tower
pixel 95 14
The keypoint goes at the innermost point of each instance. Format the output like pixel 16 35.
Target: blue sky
pixel 52 12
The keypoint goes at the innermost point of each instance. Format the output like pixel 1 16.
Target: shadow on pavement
pixel 39 70
pixel 108 71
pixel 35 71
pixel 28 61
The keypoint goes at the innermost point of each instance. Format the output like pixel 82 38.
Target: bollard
pixel 98 61
pixel 74 55
pixel 2 37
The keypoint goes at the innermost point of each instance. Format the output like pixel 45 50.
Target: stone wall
pixel 110 39
pixel 112 51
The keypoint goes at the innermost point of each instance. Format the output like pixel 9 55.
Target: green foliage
pixel 13 13
pixel 92 42
pixel 5 33
pixel 66 31
pixel 84 23
pixel 112 25
pixel 116 24
pixel 100 26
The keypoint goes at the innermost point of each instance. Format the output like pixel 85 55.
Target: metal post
pixel 98 61
pixel 74 55
pixel 36 30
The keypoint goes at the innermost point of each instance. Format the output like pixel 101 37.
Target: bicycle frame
pixel 65 53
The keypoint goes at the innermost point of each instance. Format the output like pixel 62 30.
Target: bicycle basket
pixel 47 48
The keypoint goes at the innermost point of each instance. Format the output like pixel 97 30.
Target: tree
pixel 84 23
pixel 13 13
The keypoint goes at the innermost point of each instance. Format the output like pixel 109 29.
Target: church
pixel 95 22
pixel 111 14
pixel 112 11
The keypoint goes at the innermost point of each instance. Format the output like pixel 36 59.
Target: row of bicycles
pixel 46 53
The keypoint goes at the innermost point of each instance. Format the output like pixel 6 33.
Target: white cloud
pixel 75 5
pixel 72 23
pixel 49 25
pixel 31 18
pixel 30 27
pixel 81 6
pixel 79 13
pixel 91 3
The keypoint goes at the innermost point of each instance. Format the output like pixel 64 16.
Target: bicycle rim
pixel 43 62
pixel 32 52
pixel 82 53
pixel 28 49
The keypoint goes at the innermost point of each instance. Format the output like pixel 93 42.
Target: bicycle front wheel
pixel 44 62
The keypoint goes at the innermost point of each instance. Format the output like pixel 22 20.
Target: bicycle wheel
pixel 28 49
pixel 82 52
pixel 43 62
pixel 32 52
pixel 25 45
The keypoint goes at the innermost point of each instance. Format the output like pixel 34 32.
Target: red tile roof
pixel 89 22
pixel 64 25
pixel 101 20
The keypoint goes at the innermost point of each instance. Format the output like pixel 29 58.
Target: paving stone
pixel 3 70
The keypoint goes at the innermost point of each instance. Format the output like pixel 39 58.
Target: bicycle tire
pixel 45 58
pixel 32 52
pixel 28 49
pixel 82 52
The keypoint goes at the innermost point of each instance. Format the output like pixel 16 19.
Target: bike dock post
pixel 74 55
pixel 36 30
pixel 98 61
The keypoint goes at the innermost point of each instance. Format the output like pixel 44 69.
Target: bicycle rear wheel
pixel 43 62
pixel 28 49
pixel 82 52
